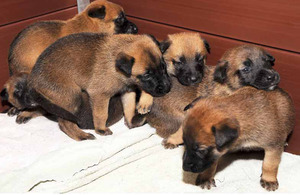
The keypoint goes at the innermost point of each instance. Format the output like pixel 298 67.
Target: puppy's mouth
pixel 272 87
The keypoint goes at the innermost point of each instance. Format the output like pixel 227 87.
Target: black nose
pixel 132 28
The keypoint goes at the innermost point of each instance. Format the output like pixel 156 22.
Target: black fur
pixel 97 12
pixel 122 25
pixel 154 39
pixel 164 46
pixel 189 71
pixel 220 74
pixel 124 64
pixel 4 95
pixel 207 46
pixel 152 82
pixel 225 136
pixel 189 106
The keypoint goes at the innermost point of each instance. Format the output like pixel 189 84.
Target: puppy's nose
pixel 194 78
pixel 132 28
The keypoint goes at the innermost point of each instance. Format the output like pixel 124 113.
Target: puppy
pixel 94 65
pixel 99 16
pixel 246 65
pixel 249 118
pixel 185 56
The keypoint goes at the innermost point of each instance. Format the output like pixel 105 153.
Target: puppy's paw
pixel 21 119
pixel 144 107
pixel 86 136
pixel 270 186
pixel 13 111
pixel 205 184
pixel 168 145
pixel 104 132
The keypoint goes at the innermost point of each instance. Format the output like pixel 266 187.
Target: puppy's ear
pixel 271 59
pixel 96 12
pixel 225 132
pixel 191 105
pixel 207 46
pixel 4 94
pixel 124 63
pixel 220 74
pixel 154 39
pixel 164 46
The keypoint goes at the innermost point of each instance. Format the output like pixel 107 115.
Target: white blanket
pixel 38 157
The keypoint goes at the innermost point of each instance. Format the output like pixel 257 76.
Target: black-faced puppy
pixel 98 65
pixel 100 16
pixel 185 55
pixel 246 65
pixel 249 118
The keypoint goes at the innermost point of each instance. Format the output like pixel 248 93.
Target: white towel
pixel 38 157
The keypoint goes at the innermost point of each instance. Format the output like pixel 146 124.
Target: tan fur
pixel 93 70
pixel 168 113
pixel 263 119
pixel 185 43
pixel 33 40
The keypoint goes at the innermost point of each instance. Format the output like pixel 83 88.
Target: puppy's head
pixel 185 56
pixel 14 89
pixel 207 135
pixel 247 65
pixel 143 62
pixel 109 18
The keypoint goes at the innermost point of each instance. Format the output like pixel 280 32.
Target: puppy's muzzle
pixel 130 28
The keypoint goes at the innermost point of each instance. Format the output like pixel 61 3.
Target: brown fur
pixel 181 44
pixel 89 62
pixel 262 119
pixel 168 113
pixel 33 40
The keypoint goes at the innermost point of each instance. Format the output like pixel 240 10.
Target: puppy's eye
pixel 177 63
pixel 201 152
pixel 246 69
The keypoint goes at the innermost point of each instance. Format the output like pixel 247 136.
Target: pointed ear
pixel 220 74
pixel 154 39
pixel 124 63
pixel 271 59
pixel 4 95
pixel 207 46
pixel 191 105
pixel 225 132
pixel 96 12
pixel 164 46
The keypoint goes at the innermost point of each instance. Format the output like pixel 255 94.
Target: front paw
pixel 22 119
pixel 104 132
pixel 269 185
pixel 168 145
pixel 13 111
pixel 205 183
pixel 143 108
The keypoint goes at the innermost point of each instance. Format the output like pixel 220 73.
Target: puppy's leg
pixel 173 140
pixel 13 111
pixel 206 179
pixel 145 103
pixel 270 168
pixel 100 113
pixel 128 101
pixel 73 131
pixel 25 116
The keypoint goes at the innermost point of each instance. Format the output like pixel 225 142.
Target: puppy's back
pixel 38 36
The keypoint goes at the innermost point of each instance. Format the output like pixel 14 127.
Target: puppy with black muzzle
pixel 100 16
pixel 98 66
pixel 246 65
pixel 247 119
pixel 185 55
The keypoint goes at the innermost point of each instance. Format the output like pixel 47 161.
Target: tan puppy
pixel 240 66
pixel 96 65
pixel 185 56
pixel 99 16
pixel 249 118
